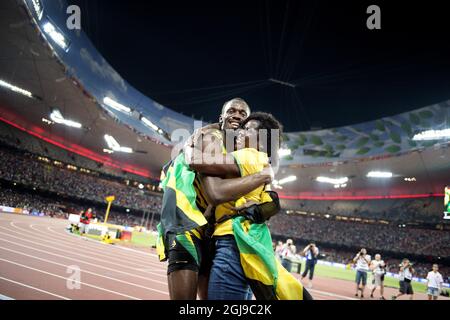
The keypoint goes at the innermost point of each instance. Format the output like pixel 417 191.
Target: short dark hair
pixel 268 122
pixel 235 100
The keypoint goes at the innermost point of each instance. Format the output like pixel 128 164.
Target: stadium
pixel 75 135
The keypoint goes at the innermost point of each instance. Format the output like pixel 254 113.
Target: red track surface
pixel 35 254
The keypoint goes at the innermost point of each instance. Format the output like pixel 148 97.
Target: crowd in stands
pixel 27 170
pixel 350 234
pixel 35 204
pixel 426 210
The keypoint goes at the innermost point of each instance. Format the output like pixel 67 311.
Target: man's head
pixel 312 244
pixel 253 126
pixel 90 210
pixel 234 112
pixel 405 261
pixel 378 257
pixel 289 242
pixel 435 267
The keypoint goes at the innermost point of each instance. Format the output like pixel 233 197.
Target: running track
pixel 37 255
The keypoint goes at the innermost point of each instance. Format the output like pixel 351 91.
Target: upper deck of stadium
pixel 74 78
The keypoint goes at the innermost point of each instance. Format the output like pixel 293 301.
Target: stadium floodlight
pixel 115 146
pixel 141 186
pixel 38 8
pixel 150 124
pixel 334 181
pixel 432 135
pixel 286 180
pixel 379 174
pixel 115 105
pixel 284 152
pixel 16 89
pixel 57 117
pixel 56 35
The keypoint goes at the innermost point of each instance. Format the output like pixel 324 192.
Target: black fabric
pixel 179 258
pixel 406 287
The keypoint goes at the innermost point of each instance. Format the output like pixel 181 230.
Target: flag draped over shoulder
pixel 179 211
pixel 268 279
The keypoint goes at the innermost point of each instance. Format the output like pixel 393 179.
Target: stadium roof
pixel 35 64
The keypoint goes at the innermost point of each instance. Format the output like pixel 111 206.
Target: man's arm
pixel 206 157
pixel 220 190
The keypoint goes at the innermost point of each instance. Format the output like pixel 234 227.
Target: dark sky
pixel 193 55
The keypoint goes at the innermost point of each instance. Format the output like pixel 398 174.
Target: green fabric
pixel 188 245
pixel 256 241
pixel 176 216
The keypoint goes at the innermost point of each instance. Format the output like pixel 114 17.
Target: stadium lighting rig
pixel 56 35
pixel 379 174
pixel 115 146
pixel 57 117
pixel 280 182
pixel 284 152
pixel 16 89
pixel 115 105
pixel 38 8
pixel 432 135
pixel 150 124
pixel 334 181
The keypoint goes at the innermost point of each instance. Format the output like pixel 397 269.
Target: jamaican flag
pixel 179 211
pixel 268 279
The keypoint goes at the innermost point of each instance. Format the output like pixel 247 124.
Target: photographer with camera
pixel 288 254
pixel 311 252
pixel 362 260
pixel 406 274
pixel 378 268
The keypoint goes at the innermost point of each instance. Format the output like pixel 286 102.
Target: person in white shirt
pixel 406 274
pixel 311 252
pixel 378 268
pixel 279 250
pixel 288 254
pixel 434 283
pixel 362 260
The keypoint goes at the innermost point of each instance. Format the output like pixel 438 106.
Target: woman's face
pixel 248 136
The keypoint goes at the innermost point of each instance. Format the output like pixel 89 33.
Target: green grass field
pixel 143 239
pixel 346 274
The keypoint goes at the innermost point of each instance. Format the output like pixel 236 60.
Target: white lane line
pixel 33 288
pixel 88 272
pixel 118 247
pixel 71 251
pixel 65 279
pixel 72 245
pixel 331 294
pixel 3 297
pixel 78 260
pixel 95 252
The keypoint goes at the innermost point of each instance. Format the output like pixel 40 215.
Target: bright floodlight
pixel 286 180
pixel 115 105
pixel 115 146
pixel 432 135
pixel 335 181
pixel 57 117
pixel 150 124
pixel 284 152
pixel 38 8
pixel 13 88
pixel 57 36
pixel 379 174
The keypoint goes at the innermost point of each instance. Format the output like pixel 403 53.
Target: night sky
pixel 192 56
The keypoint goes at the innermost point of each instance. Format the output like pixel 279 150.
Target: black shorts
pixel 406 287
pixel 187 251
pixel 184 252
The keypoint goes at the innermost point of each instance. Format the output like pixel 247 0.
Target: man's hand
pixel 268 174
